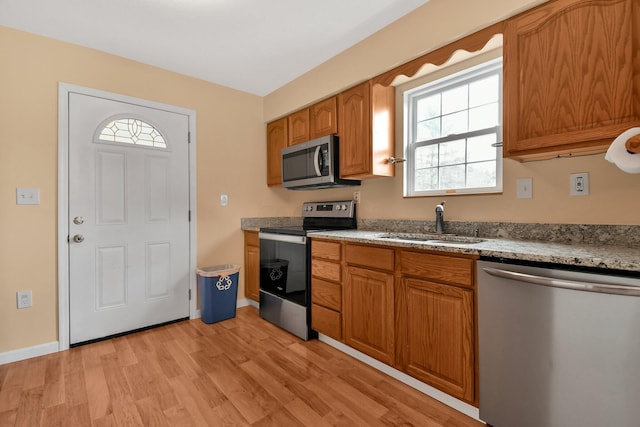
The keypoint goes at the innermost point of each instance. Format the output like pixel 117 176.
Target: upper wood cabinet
pixel 276 141
pixel 366 115
pixel 299 127
pixel 323 118
pixel 571 77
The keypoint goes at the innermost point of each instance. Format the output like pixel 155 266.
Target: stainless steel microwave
pixel 313 164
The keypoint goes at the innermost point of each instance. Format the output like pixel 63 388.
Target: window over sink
pixel 453 132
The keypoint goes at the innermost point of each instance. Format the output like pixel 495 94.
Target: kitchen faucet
pixel 440 218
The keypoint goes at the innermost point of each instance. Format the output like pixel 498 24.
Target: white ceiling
pixel 255 46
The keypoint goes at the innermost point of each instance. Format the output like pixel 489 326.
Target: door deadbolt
pixel 78 220
pixel 78 238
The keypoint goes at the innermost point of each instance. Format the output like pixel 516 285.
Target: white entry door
pixel 128 217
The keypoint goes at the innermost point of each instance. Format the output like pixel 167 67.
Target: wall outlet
pixel 579 184
pixel 224 200
pixel 524 188
pixel 356 197
pixel 24 299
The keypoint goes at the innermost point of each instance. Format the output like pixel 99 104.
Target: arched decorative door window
pixel 130 130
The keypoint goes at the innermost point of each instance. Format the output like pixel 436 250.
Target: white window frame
pixel 410 98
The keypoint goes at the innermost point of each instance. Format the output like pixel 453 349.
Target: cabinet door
pixel 366 144
pixel 251 266
pixel 438 336
pixel 571 77
pixel 323 118
pixel 326 321
pixel 276 141
pixel 368 311
pixel 299 127
pixel 354 125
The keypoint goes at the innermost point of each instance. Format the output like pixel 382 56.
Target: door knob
pixel 78 220
pixel 78 238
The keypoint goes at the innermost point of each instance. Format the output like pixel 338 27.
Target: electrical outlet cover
pixel 579 184
pixel 524 188
pixel 24 299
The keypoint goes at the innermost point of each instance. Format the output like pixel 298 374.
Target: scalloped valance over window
pixel 470 43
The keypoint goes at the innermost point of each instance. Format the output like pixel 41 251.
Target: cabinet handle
pixel 394 160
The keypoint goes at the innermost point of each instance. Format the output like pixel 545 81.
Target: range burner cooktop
pixel 320 216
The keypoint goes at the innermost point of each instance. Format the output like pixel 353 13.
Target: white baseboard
pixel 52 347
pixel 28 352
pixel 440 396
pixel 245 302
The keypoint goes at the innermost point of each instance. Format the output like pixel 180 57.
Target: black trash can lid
pixel 218 270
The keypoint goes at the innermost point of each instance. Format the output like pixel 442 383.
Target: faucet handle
pixel 440 207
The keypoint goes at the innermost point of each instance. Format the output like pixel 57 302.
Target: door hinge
pixel 68 239
pixel 189 294
pixel 188 137
pixel 189 216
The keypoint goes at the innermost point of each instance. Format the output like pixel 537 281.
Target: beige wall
pixel 614 198
pixel 231 153
pixel 230 128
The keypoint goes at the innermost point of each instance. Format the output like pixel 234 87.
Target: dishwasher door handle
pixel 602 288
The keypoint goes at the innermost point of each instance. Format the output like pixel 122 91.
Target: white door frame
pixel 64 90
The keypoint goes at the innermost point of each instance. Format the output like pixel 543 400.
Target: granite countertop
pixel 584 255
pixel 614 247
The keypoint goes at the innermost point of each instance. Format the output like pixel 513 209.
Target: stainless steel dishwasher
pixel 558 348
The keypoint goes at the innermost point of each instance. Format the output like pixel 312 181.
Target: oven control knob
pixel 344 207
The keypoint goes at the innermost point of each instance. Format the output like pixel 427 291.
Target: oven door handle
pixel 299 240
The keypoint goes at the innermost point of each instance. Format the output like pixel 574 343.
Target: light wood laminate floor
pixel 242 371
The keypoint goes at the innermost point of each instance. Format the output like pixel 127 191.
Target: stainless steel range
pixel 285 265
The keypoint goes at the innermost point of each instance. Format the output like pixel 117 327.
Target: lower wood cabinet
pixel 411 309
pixel 437 335
pixel 369 313
pixel 251 265
pixel 326 288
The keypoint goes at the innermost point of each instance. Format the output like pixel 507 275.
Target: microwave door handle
pixel 316 161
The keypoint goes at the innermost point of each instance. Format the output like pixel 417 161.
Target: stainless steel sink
pixel 458 239
pixel 432 238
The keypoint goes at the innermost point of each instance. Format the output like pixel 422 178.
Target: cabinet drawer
pixel 324 249
pixel 326 321
pixel 326 294
pixel 251 238
pixel 326 270
pixel 370 256
pixel 437 267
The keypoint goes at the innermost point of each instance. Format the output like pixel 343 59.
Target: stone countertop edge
pixel 615 247
pixel 583 255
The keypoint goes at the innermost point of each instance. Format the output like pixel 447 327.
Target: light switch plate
pixel 524 188
pixel 224 200
pixel 27 196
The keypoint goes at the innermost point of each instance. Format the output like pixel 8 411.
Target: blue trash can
pixel 218 291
